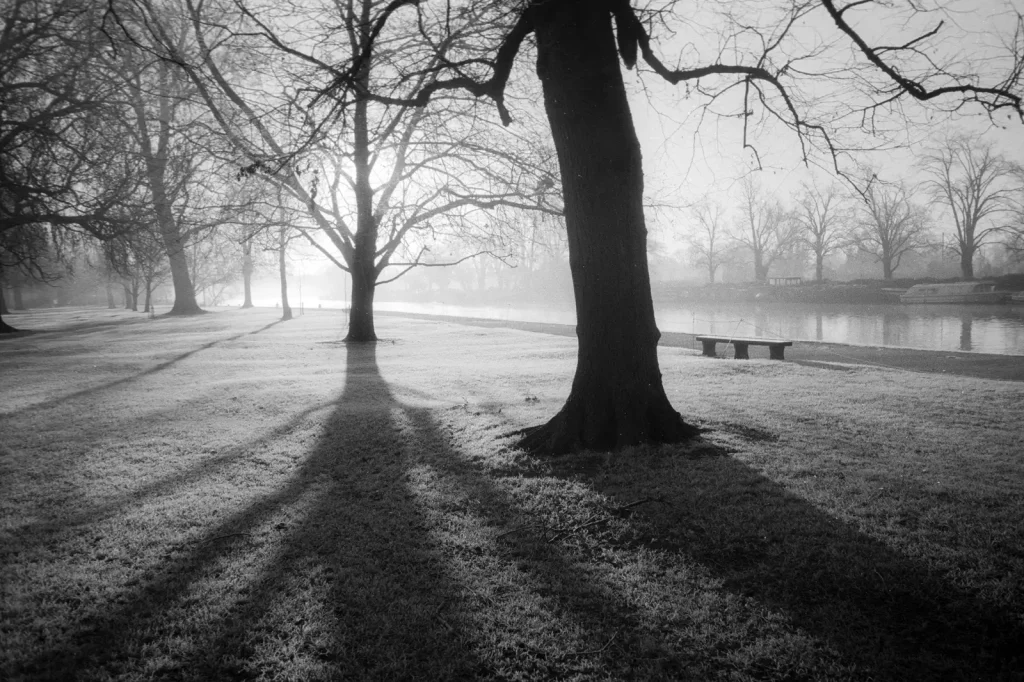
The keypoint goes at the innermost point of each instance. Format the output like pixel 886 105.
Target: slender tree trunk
pixel 149 294
pixel 110 297
pixel 711 271
pixel 134 291
pixel 19 303
pixel 617 398
pixel 282 260
pixel 363 267
pixel 886 267
pixel 127 296
pixel 247 272
pixel 819 267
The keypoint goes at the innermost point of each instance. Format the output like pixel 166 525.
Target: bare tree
pixel 707 234
pixel 824 220
pixel 977 186
pixel 891 224
pixel 766 228
pixel 617 397
pixel 378 179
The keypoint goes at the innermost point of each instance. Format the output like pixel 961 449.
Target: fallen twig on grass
pixel 645 500
pixel 562 532
pixel 596 651
pixel 229 535
pixel 520 529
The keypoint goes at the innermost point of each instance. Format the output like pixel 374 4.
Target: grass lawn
pixel 231 497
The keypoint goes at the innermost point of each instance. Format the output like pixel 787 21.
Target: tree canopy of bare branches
pixel 978 188
pixel 824 220
pixel 890 224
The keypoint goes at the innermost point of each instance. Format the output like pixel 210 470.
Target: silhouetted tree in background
pixel 977 186
pixel 891 224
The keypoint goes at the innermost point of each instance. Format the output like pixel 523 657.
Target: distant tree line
pixel 967 189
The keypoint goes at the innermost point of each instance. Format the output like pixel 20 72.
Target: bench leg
pixel 741 351
pixel 709 348
pixel 777 352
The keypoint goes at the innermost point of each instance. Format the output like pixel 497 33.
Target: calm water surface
pixel 977 328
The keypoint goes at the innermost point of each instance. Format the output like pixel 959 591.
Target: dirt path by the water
pixel 980 365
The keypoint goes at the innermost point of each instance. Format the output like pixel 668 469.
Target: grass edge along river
pixel 229 496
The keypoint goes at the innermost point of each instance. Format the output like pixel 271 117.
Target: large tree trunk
pixel 184 291
pixel 247 272
pixel 127 296
pixel 967 260
pixel 886 267
pixel 156 170
pixel 110 297
pixel 617 398
pixel 19 302
pixel 149 295
pixel 4 327
pixel 282 261
pixel 819 267
pixel 760 269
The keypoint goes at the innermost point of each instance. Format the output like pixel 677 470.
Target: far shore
pixel 980 365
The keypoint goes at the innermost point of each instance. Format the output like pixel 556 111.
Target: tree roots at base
pixel 566 432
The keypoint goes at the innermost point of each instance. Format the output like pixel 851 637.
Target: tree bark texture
pixel 617 398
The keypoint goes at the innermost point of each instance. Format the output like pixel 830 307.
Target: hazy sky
pixel 682 163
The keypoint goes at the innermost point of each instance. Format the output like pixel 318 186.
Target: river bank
pixel 980 365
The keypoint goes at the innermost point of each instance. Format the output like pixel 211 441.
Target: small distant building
pixel 785 281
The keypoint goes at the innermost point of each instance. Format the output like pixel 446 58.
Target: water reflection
pixel 966 322
pixel 979 328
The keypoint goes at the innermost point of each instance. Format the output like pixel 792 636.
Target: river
pixel 974 328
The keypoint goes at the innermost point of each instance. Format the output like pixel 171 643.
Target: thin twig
pixel 229 535
pixel 639 502
pixel 576 529
pixel 520 529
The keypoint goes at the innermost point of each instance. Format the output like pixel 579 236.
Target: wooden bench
pixel 776 347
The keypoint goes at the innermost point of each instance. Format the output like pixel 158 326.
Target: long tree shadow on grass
pixel 381 577
pixel 331 572
pixel 155 369
pixel 887 614
pixel 355 568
